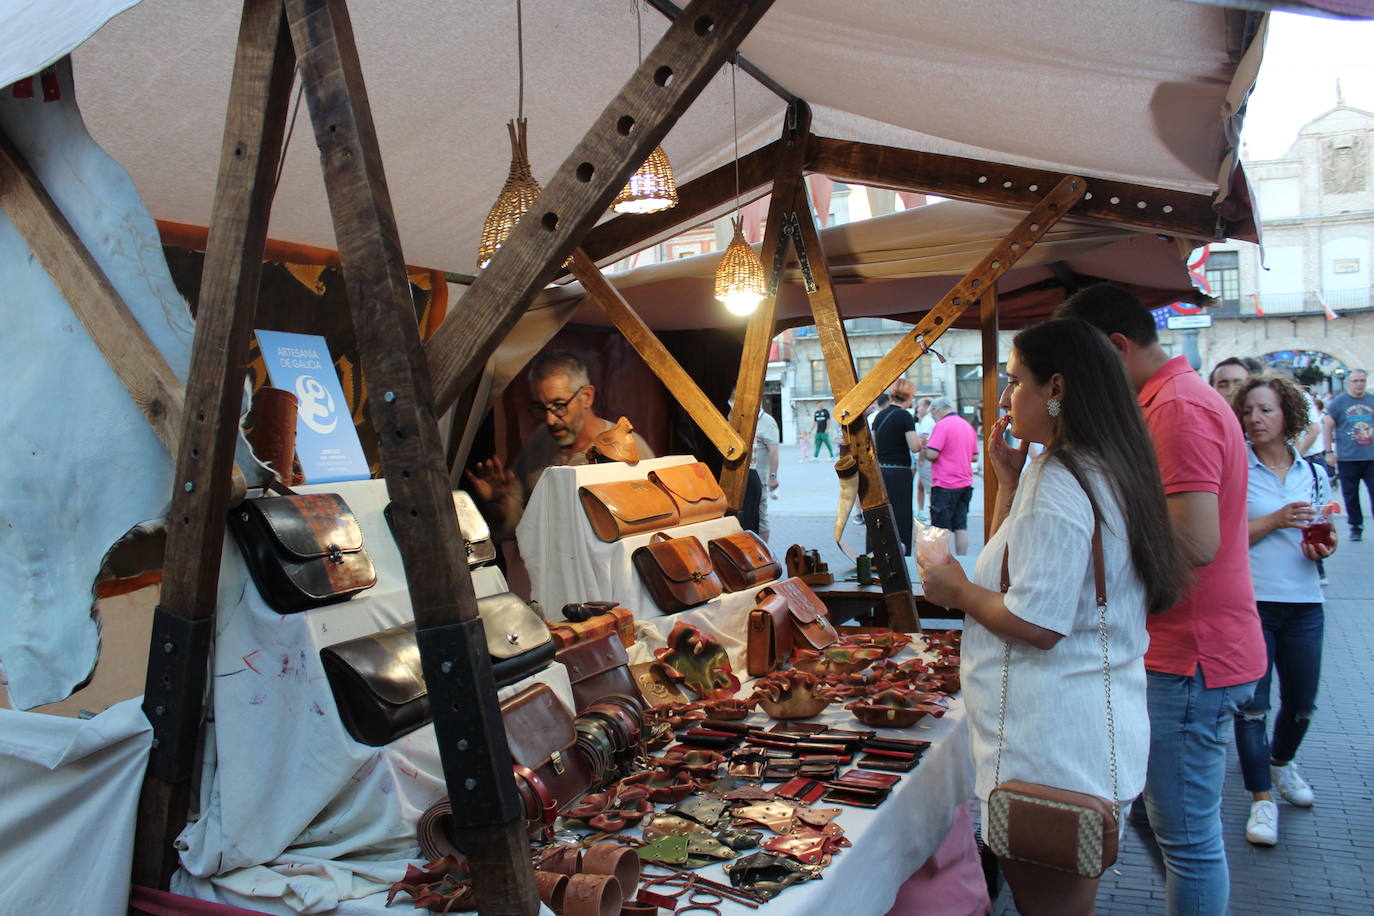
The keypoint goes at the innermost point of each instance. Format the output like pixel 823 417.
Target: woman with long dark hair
pixel 1047 721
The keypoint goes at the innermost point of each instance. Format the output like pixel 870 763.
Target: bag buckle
pixel 513 638
pixel 556 760
pixel 698 575
pixel 335 554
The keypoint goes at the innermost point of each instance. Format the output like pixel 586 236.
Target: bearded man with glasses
pixel 562 396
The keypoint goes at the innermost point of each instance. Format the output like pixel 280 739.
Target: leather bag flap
pixel 744 551
pixel 476 532
pixel 537 724
pixel 680 559
pixel 805 606
pixel 588 659
pixel 632 501
pixel 689 483
pixel 309 526
pixel 511 626
pixel 388 663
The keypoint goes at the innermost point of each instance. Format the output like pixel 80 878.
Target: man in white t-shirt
pixel 766 436
pixel 925 425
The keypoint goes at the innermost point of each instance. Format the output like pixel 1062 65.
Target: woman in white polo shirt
pixel 1285 495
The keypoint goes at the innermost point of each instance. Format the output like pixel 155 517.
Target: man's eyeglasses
pixel 558 408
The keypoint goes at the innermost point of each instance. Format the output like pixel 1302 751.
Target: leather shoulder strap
pixel 1099 565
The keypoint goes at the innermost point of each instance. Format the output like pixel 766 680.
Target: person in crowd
pixel 925 425
pixel 764 459
pixel 1227 376
pixel 894 443
pixel 1207 651
pixel 1348 443
pixel 820 424
pixel 951 450
pixel 561 397
pixel 1286 494
pixel 1065 389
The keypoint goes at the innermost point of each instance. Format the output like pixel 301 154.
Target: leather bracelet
pixel 553 887
pixel 593 895
pixel 614 859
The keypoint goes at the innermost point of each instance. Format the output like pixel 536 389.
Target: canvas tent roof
pixel 1135 91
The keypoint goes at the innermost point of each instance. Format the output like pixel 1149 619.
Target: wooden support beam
pixel 982 277
pixel 672 11
pixel 988 325
pixel 1176 213
pixel 179 659
pixel 671 76
pixel 697 201
pixel 679 384
pixel 489 826
pixel 139 364
pixel 787 197
pixel 889 559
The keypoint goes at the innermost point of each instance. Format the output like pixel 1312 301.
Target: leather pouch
pixel 378 685
pixel 677 572
pixel 476 533
pixel 743 561
pixel 626 507
pixel 1067 831
pixel 693 489
pixel 303 551
pixel 810 620
pixel 542 739
pixel 597 668
pixel 788 616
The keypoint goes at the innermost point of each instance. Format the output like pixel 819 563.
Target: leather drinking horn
pixel 614 859
pixel 593 895
pixel 552 888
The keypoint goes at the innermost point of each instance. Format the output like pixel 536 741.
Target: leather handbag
pixel 476 533
pixel 597 668
pixel 677 572
pixel 694 490
pixel 378 684
pixel 743 561
pixel 626 507
pixel 543 747
pixel 1073 832
pixel 619 620
pixel 303 551
pixel 800 621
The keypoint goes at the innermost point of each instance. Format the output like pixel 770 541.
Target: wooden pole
pixel 788 186
pixel 488 816
pixel 669 371
pixel 179 658
pixel 988 321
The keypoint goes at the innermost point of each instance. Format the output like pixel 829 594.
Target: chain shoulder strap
pixel 1100 581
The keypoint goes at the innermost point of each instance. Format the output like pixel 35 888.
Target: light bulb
pixel 741 301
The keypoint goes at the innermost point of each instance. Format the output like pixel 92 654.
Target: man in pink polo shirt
pixel 1207 651
pixel 950 450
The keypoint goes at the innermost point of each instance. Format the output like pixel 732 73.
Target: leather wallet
pixel 743 561
pixel 626 507
pixel 693 489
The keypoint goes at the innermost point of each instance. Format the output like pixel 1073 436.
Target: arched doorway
pixel 1318 371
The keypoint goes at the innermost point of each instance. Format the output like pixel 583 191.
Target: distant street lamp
pixel 1340 379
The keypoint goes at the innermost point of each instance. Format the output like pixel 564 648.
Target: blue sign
pixel 326 439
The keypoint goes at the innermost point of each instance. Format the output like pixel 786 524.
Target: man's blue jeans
pixel 1189 727
pixel 1293 635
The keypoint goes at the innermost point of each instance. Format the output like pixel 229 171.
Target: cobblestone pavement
pixel 1323 863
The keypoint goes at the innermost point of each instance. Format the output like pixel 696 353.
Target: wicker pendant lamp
pixel 652 188
pixel 518 193
pixel 739 275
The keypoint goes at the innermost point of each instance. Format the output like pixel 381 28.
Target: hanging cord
pixel 520 57
pixel 734 117
pixel 286 144
pixel 639 32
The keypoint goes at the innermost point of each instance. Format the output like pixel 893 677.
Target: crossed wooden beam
pixel 417 384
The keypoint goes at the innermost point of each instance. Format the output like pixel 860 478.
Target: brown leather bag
pixel 614 444
pixel 677 572
pixel 626 507
pixel 788 615
pixel 743 561
pixel 543 746
pixel 693 489
pixel 597 668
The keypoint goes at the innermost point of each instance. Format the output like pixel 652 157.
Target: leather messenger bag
pixel 597 669
pixel 743 561
pixel 788 616
pixel 626 507
pixel 693 489
pixel 303 551
pixel 543 747
pixel 677 572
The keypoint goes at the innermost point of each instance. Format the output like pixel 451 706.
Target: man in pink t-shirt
pixel 1207 651
pixel 952 445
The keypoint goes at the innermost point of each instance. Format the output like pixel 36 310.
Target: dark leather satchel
pixel 303 551
pixel 597 668
pixel 693 489
pixel 743 561
pixel 788 616
pixel 677 572
pixel 626 507
pixel 379 688
pixel 543 749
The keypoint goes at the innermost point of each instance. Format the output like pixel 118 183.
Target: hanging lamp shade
pixel 651 189
pixel 739 275
pixel 517 195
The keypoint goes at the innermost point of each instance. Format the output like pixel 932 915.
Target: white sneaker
pixel 1291 785
pixel 1263 827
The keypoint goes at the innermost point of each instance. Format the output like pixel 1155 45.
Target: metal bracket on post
pixel 790 232
pixel 889 563
pixel 173 692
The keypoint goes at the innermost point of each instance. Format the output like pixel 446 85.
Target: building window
pixel 865 364
pixel 819 380
pixel 922 374
pixel 1223 273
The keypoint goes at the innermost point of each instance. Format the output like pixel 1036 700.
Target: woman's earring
pixel 1052 405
